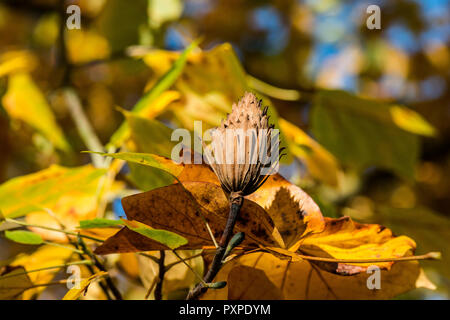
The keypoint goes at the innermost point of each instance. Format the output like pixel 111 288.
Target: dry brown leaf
pixel 183 209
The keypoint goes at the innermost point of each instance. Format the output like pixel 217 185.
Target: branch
pixel 162 272
pixel 235 207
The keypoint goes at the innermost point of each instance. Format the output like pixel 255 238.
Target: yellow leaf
pixel 84 46
pixel 24 101
pixel 302 280
pixel 17 61
pixel 53 195
pixel 75 293
pixel 45 256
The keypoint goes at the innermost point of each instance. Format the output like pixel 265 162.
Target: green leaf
pixel 99 223
pixel 363 133
pixel 167 238
pixel 150 136
pixel 25 101
pixel 24 237
pixel 164 83
pixel 146 159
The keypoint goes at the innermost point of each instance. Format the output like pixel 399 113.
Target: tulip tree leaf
pixel 363 133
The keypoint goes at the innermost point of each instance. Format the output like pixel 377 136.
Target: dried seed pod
pixel 244 149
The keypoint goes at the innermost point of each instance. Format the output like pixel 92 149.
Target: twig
pixel 53 229
pixel 85 262
pixel 150 288
pixel 170 265
pixel 162 272
pixel 189 267
pixel 235 206
pixel 101 267
pixel 84 127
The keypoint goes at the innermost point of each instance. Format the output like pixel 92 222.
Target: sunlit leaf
pixel 75 293
pixel 17 61
pixel 53 196
pixel 147 159
pixel 45 256
pixel 86 45
pixel 301 280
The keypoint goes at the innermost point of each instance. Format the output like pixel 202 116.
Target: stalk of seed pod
pixel 243 153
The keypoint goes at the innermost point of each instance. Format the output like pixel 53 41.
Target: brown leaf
pixel 11 286
pixel 183 209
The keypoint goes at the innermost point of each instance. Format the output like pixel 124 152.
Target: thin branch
pixel 53 229
pixel 162 272
pixel 84 127
pixel 101 267
pixel 182 260
pixel 82 262
pixel 190 268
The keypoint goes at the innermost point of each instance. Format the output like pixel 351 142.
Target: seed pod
pixel 244 149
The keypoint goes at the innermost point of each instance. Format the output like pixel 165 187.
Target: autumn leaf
pixel 169 239
pixel 300 280
pixel 45 256
pixel 75 293
pixel 53 196
pixel 13 282
pixel 183 209
pixel 24 101
pixel 17 61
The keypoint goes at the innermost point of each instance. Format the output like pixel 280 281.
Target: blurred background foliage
pixel 365 113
